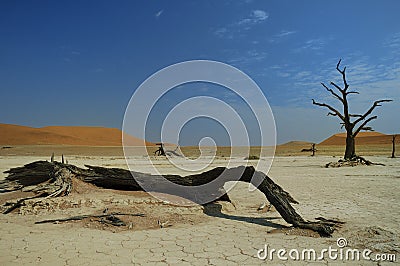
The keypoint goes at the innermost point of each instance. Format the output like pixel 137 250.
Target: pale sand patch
pixel 365 197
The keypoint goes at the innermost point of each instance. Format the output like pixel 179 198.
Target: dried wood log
pixel 53 179
pixel 47 179
pixel 110 217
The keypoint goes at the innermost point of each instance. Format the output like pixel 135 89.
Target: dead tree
pixel 54 179
pixel 160 151
pixel 312 149
pixel 393 146
pixel 353 127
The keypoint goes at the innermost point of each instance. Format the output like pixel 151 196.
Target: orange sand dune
pixel 65 135
pixel 363 138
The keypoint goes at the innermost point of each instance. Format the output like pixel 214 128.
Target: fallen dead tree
pixel 54 179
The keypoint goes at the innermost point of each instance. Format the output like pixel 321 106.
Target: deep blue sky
pixel 78 62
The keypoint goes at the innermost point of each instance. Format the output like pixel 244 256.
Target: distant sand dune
pixel 101 136
pixel 65 135
pixel 296 143
pixel 363 138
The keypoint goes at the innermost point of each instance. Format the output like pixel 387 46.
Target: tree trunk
pixel 393 146
pixel 56 179
pixel 350 152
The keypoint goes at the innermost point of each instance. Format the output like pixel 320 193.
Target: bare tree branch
pixel 343 72
pixel 338 64
pixel 355 115
pixel 354 92
pixel 368 129
pixel 333 93
pixel 338 87
pixel 330 108
pixel 363 125
pixel 376 104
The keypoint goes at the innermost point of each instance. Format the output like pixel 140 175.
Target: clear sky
pixel 78 62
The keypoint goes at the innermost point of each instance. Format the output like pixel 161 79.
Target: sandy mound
pixel 65 135
pixel 90 200
pixel 363 138
pixel 296 143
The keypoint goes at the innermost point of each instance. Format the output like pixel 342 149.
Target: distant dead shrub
pixel 252 157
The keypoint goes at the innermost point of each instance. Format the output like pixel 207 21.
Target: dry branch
pixel 109 217
pixel 334 112
pixel 369 111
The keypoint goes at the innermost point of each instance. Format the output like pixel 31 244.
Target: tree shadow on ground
pixel 215 210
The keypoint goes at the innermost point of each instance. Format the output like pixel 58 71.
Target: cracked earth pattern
pixel 221 242
pixel 359 196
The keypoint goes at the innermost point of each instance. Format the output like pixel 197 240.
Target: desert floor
pixel 366 198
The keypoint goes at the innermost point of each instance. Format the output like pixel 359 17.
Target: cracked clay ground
pixel 366 198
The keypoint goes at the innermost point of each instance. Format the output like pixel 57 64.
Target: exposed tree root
pixel 357 160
